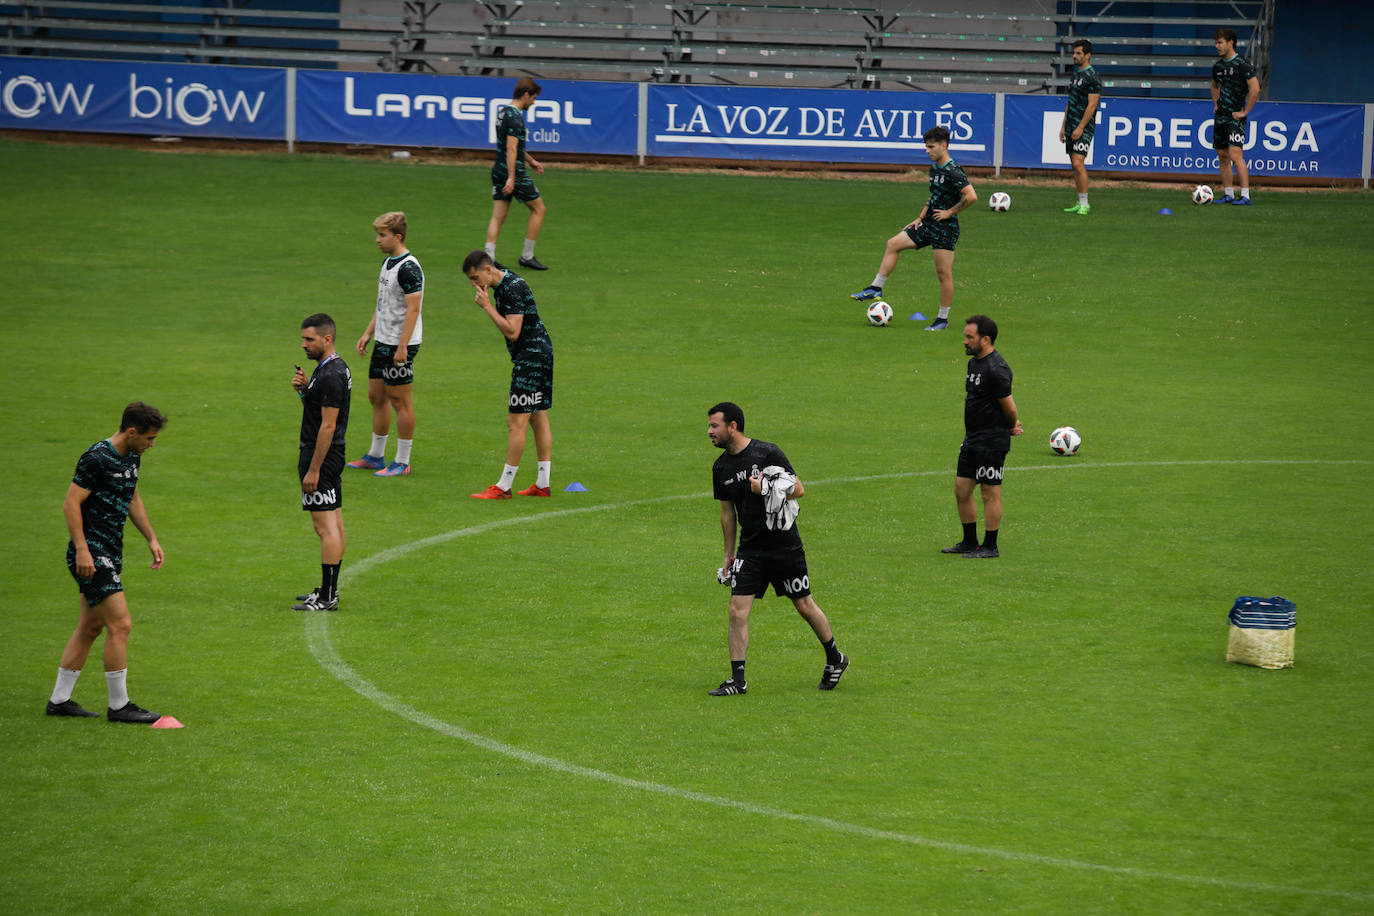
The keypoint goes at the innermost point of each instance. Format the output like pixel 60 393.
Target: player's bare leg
pixel 1242 170
pixel 537 213
pixel 1080 173
pixel 813 615
pixel 944 274
pixel 992 507
pixel 381 410
pixel 499 209
pixel 835 661
pixel 894 248
pixel 740 606
pixel 400 401
pixel 89 626
pixel 329 526
pixel 992 523
pixel 963 500
pixel 517 426
pixel 543 435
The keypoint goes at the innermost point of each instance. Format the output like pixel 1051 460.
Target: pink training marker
pixel 167 722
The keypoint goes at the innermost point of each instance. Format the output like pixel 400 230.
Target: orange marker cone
pixel 167 722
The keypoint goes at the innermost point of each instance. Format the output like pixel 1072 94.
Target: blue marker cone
pixel 1165 212
pixel 574 487
pixel 917 316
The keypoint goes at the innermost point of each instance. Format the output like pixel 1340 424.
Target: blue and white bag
pixel 1262 632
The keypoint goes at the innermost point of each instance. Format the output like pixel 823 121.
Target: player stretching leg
pixel 936 226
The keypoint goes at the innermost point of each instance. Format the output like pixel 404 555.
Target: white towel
pixel 776 485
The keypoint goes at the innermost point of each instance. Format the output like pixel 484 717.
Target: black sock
pixel 990 538
pixel 737 671
pixel 832 654
pixel 970 532
pixel 329 581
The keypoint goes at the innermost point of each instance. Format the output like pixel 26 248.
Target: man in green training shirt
pixel 936 226
pixel 508 176
pixel 1076 133
pixel 1234 91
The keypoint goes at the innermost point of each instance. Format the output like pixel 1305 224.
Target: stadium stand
pixel 1141 48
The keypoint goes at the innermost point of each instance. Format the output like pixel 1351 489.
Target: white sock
pixel 66 683
pixel 1082 200
pixel 545 471
pixel 529 249
pixel 403 450
pixel 879 281
pixel 944 313
pixel 119 691
pixel 378 449
pixel 508 476
pixel 1245 192
pixel 1230 192
pixel 490 249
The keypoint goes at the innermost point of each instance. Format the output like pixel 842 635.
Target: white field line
pixel 322 648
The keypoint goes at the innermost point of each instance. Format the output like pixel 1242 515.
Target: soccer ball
pixel 1202 195
pixel 879 314
pixel 1065 441
pixel 1000 201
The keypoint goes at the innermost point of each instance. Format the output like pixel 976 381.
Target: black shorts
pixel 328 494
pixel 943 235
pixel 1228 132
pixel 531 384
pixel 785 572
pixel 391 374
pixel 104 583
pixel 525 189
pixel 981 463
pixel 1078 147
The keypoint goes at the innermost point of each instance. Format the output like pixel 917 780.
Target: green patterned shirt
pixel 1085 82
pixel 1232 79
pixel 947 183
pixel 510 122
pixel 111 479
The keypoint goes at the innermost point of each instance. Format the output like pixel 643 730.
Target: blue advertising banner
pixel 42 93
pixel 816 125
pixel 1175 135
pixel 412 109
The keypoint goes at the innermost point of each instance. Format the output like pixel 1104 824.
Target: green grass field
pixel 509 713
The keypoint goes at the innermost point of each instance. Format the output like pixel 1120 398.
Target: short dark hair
pixel 1083 43
pixel 526 86
pixel 320 322
pixel 730 412
pixel 476 259
pixel 1226 35
pixel 142 417
pixel 939 134
pixel 986 326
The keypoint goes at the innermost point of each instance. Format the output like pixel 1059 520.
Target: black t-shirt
pixel 330 386
pixel 731 475
pixel 988 381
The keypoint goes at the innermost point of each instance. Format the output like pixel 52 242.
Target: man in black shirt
pixel 989 423
pixel 770 546
pixel 324 423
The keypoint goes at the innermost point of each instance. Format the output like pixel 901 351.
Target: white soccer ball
pixel 1065 441
pixel 879 314
pixel 1000 201
pixel 1202 195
